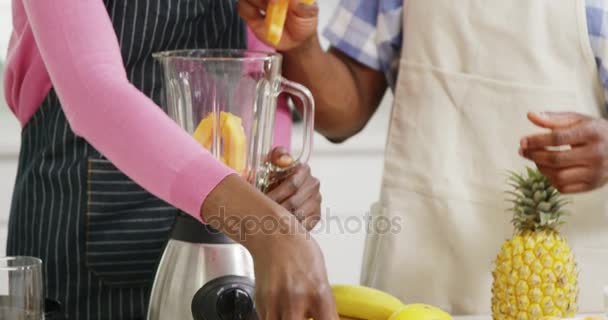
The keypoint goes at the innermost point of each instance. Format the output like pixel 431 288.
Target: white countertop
pixel 489 317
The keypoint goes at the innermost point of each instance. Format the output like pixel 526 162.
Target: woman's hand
pixel 583 164
pixel 299 192
pixel 300 25
pixel 291 281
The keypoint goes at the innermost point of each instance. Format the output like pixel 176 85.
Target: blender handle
pixel 296 90
pixel 308 117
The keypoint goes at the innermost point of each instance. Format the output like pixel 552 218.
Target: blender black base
pixel 188 229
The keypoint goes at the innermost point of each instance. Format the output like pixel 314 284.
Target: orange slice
pixel 235 152
pixel 233 137
pixel 204 132
pixel 276 13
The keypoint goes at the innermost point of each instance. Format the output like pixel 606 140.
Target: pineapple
pixel 535 274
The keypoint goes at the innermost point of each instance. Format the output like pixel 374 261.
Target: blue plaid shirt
pixel 370 32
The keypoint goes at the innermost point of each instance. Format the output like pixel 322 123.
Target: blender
pixel 227 100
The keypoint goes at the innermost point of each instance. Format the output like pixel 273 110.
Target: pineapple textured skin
pixel 535 274
pixel 535 277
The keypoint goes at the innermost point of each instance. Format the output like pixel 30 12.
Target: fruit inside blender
pixel 233 142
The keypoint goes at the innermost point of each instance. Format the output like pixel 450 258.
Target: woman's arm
pixel 80 50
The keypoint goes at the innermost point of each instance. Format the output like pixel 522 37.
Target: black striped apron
pixel 99 234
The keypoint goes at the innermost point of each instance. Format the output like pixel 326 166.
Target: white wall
pixel 349 173
pixel 5 25
pixel 9 131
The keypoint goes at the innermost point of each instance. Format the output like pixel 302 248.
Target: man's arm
pixel 346 92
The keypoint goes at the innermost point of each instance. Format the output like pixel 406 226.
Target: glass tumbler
pixel 21 294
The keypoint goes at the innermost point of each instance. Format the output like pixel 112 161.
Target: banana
pixel 420 311
pixel 364 303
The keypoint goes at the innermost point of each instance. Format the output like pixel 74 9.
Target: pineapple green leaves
pixel 537 205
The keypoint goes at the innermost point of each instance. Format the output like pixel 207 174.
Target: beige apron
pixel 470 71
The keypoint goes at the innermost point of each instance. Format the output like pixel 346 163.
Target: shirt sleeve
pixel 82 56
pixel 370 32
pixel 597 25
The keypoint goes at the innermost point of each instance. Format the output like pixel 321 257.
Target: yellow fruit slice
pixel 233 137
pixel 235 152
pixel 204 132
pixel 276 13
pixel 420 311
pixel 364 303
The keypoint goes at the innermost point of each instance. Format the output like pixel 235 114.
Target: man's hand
pixel 299 192
pixel 581 164
pixel 300 25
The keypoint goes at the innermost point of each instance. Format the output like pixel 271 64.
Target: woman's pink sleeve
pixel 82 56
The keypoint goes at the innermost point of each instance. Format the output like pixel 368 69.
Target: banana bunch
pixel 358 302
